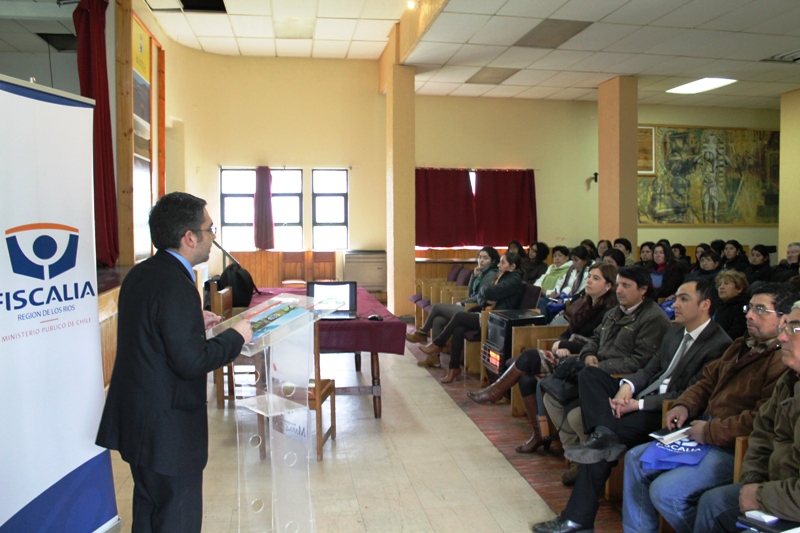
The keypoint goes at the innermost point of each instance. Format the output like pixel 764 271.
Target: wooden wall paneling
pixel 324 265
pixel 124 131
pixel 107 304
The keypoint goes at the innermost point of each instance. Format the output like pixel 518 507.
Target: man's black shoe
pixel 560 525
pixel 598 447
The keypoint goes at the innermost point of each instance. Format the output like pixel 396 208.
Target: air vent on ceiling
pixel 63 42
pixel 551 33
pixel 792 56
pixel 206 6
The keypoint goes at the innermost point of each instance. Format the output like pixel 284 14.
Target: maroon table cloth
pixel 358 335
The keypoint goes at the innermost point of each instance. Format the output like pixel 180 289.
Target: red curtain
pixel 264 234
pixel 507 198
pixel 90 25
pixel 445 207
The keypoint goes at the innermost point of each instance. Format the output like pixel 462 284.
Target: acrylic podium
pixel 273 427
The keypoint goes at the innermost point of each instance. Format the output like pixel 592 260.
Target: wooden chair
pixel 320 390
pixel 294 269
pixel 222 306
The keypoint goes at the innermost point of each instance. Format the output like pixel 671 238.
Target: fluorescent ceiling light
pixel 699 86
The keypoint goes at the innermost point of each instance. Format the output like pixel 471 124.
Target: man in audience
pixel 624 245
pixel 619 420
pixel 623 343
pixel 721 407
pixel 770 470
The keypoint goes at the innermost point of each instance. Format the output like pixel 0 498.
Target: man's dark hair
pixel 616 255
pixel 563 250
pixel 173 215
pixel 783 296
pixel 640 276
pixel 706 290
pixel 625 243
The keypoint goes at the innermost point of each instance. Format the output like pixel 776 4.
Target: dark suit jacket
pixel 155 412
pixel 708 347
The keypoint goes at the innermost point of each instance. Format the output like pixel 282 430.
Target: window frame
pixel 344 195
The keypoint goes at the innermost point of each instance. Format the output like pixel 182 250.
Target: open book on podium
pixel 276 422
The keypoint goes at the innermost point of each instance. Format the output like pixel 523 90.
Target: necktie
pixel 687 342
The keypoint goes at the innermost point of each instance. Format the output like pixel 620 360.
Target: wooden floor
pixel 541 470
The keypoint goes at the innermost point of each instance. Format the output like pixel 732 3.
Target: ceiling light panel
pixel 220 45
pixel 504 30
pixel 455 28
pixel 478 7
pixel 294 8
pixel 643 11
pixel 174 24
pixel 700 86
pixel 698 12
pixel 373 30
pixel 257 47
pixel 293 47
pixel 384 9
pixel 248 7
pixel 519 57
pixel 252 26
pixel 476 55
pixel 598 37
pixel 527 8
pixel 366 49
pixel 340 9
pixel 335 29
pixel 492 76
pixel 432 53
pixel 330 49
pixel 587 10
pixel 209 25
pixel 551 33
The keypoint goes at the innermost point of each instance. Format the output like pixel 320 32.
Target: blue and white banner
pixel 53 477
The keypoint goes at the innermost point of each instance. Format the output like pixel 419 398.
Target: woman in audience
pixel 504 292
pixel 532 365
pixel 666 272
pixel 759 265
pixel 571 284
pixel 735 258
pixel 482 276
pixel 709 267
pixel 534 265
pixel 554 272
pixel 699 250
pixel 732 288
pixel 788 267
pixel 515 247
pixel 679 251
pixel 645 254
pixel 718 245
pixel 602 246
pixel 615 257
pixel 589 245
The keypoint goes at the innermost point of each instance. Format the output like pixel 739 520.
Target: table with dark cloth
pixel 358 335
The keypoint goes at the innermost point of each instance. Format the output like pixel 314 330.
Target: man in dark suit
pixel 617 420
pixel 155 412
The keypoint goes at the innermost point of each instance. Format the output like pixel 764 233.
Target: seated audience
pixel 556 271
pixel 759 269
pixel 732 288
pixel 482 276
pixel 532 365
pixel 571 284
pixel 679 251
pixel 515 247
pixel 614 257
pixel 770 472
pixel 719 407
pixel 734 258
pixel 718 245
pixel 534 264
pixel 709 267
pixel 589 245
pixel 788 267
pixel 699 250
pixel 666 272
pixel 602 246
pixel 645 254
pixel 636 400
pixel 505 292
pixel 623 343
pixel 624 245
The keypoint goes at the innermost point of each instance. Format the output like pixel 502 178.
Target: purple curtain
pixel 264 234
pixel 510 197
pixel 445 207
pixel 90 26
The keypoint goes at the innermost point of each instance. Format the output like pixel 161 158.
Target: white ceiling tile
pixel 751 47
pixel 293 47
pixel 530 78
pixel 335 29
pixel 69 25
pixel 476 55
pixel 598 36
pixel 418 85
pixel 657 97
pixel 425 72
pixel 208 25
pixel 591 96
pixel 579 79
pixel 454 74
pixel 455 28
pixel 257 47
pixel 10 26
pixel 749 15
pixel 472 89
pixel 294 8
pixel 694 43
pixel 220 45
pixel 190 40
pixel 504 30
pixel 644 39
pixel 646 81
pixel 786 24
pixel 538 92
pixel 26 42
pixel 765 103
pixel 432 53
pixel 601 62
pixel 643 11
pixel 785 73
pixel 343 9
pixel 366 49
pixel 330 49
pixel 560 59
pixel 762 71
pixel 294 27
pixel 164 4
pixel 677 66
pixel 5 47
pixel 569 94
pixel 373 30
pixel 248 7
pixel 174 24
pixel 41 26
pixel 252 26
pixel 668 83
pixel 718 68
pixel 479 7
pixel 504 91
pixel 587 10
pixel 519 57
pixel 384 9
pixel 636 64
pixel 698 12
pixel 527 8
pixel 438 89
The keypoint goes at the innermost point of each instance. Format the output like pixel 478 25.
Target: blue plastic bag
pixel 684 452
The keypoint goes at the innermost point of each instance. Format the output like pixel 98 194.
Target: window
pixel 329 209
pixel 237 193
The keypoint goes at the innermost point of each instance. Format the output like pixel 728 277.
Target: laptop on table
pixel 340 295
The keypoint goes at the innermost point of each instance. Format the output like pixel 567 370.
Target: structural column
pixel 617 147
pixel 788 214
